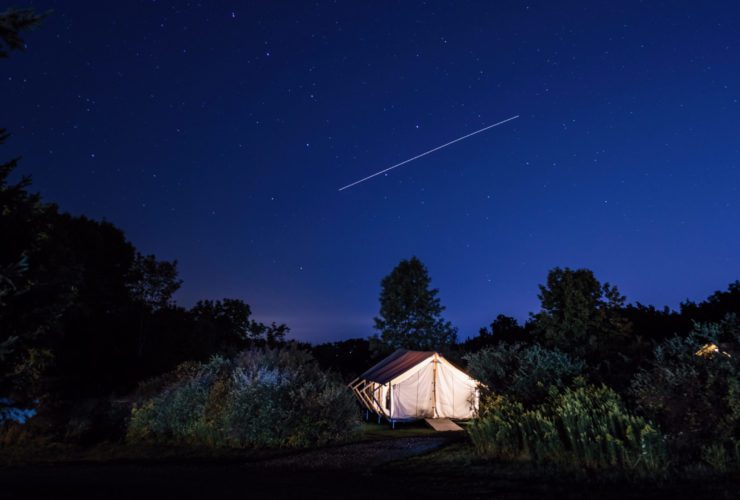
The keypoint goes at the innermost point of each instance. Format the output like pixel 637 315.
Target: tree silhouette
pixel 12 23
pixel 225 327
pixel 502 329
pixel 579 314
pixel 23 228
pixel 410 311
pixel 154 282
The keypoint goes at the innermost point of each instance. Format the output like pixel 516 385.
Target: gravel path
pixel 358 456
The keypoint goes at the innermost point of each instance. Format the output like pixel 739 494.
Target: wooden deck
pixel 443 424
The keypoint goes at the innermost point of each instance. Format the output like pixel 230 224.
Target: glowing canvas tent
pixel 410 385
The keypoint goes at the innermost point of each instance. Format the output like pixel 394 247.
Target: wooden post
pixel 390 400
pixel 434 386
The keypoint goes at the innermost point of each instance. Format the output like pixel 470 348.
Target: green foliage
pixel 410 311
pixel 695 399
pixel 579 315
pixel 527 373
pixel 587 428
pixel 497 434
pixel 262 398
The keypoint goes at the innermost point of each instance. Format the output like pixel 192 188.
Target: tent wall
pixel 430 388
pixel 412 395
pixel 457 393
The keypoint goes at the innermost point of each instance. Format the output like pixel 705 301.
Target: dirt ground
pixel 376 469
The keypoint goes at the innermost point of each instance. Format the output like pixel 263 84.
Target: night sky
pixel 218 134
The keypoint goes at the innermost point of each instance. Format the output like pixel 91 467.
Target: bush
pixel 695 399
pixel 722 457
pixel 178 414
pixel 266 398
pixel 582 428
pixel 525 372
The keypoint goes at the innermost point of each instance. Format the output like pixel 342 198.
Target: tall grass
pixel 582 428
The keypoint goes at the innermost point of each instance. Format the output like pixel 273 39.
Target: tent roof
pixel 394 365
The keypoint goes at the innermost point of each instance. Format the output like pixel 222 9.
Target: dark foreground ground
pixel 407 467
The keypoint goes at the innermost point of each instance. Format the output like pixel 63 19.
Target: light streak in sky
pixel 428 152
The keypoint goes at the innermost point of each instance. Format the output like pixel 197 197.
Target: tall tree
pixel 153 283
pixel 23 229
pixel 579 315
pixel 410 311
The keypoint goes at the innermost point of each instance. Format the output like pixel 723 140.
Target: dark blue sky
pixel 217 133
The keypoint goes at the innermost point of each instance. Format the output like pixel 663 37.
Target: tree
pixel 12 23
pixel 716 307
pixel 410 311
pixel 224 327
pixel 502 329
pixel 580 315
pixel 348 357
pixel 23 228
pixel 153 282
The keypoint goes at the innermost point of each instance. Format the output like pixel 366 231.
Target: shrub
pixel 695 399
pixel 524 372
pixel 178 414
pixel 582 428
pixel 266 398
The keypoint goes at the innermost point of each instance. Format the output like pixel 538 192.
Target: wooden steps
pixel 443 424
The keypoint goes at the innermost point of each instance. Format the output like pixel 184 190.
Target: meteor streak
pixel 428 152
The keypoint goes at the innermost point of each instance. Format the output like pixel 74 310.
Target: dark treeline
pixel 578 315
pixel 84 316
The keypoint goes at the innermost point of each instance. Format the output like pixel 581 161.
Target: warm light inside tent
pixel 410 385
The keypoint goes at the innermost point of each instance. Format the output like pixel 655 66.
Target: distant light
pixel 707 349
pixel 710 349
